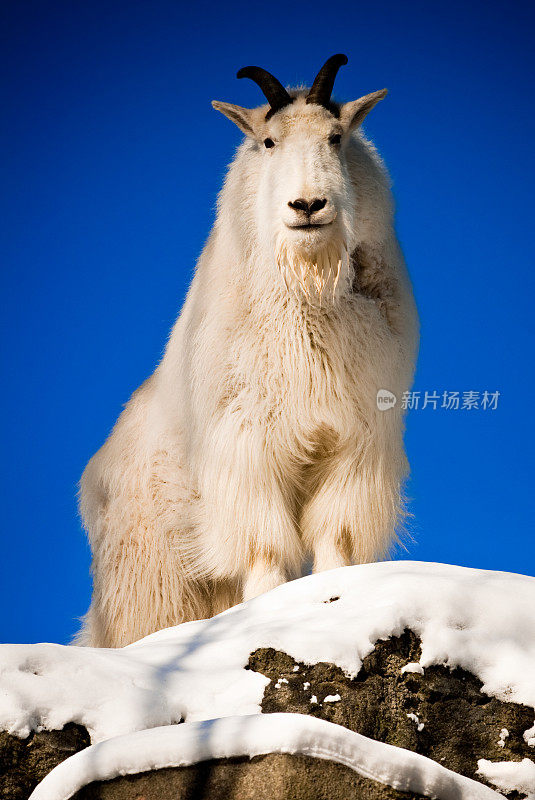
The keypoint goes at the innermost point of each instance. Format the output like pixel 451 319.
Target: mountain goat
pixel 258 440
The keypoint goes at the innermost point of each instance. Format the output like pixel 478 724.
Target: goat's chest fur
pixel 307 369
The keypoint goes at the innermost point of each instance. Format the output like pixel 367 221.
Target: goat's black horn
pixel 321 90
pixel 275 93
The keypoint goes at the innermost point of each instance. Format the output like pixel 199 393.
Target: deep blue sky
pixel 111 160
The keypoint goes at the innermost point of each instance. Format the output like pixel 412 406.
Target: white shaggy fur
pixel 258 441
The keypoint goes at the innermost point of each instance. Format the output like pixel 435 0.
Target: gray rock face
pixel 441 714
pixel 25 762
pixel 272 777
pixel 460 724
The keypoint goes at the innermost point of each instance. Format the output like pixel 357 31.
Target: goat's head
pixel 305 203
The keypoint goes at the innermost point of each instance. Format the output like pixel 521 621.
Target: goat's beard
pixel 320 276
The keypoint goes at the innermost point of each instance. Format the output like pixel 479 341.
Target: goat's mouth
pixel 309 226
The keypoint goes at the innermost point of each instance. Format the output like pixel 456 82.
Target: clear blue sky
pixel 111 160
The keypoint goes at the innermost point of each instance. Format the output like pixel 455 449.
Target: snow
pixel 479 620
pixel 504 733
pixel 280 682
pixel 416 719
pixel 181 745
pixel 413 667
pixel 510 775
pixel 332 698
pixel 529 736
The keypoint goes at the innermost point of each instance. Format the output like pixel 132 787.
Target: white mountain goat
pixel 258 440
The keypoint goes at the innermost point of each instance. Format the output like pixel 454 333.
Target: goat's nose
pixel 309 207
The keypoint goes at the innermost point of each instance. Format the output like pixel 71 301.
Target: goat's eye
pixel 269 143
pixel 335 139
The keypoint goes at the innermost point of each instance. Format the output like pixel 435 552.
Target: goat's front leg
pixel 352 514
pixel 262 576
pixel 248 531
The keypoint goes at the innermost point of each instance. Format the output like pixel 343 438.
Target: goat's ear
pixel 353 113
pixel 242 117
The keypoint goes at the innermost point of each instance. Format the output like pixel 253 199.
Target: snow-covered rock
pixel 464 622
